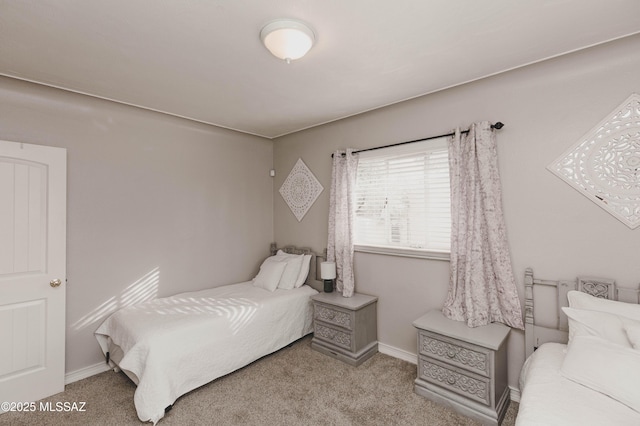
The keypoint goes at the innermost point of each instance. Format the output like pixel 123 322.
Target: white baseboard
pixel 397 353
pixel 83 373
pixel 514 393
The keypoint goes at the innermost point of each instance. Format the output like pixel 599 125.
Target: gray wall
pixel 157 205
pixel 551 227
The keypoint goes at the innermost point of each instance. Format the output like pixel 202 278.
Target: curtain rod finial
pixel 499 125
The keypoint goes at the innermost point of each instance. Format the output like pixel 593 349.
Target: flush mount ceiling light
pixel 287 39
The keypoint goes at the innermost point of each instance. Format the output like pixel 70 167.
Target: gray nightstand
pixel 345 327
pixel 464 368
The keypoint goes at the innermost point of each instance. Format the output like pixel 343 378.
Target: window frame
pixel 433 254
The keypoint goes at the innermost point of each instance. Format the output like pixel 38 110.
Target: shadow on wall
pixel 142 290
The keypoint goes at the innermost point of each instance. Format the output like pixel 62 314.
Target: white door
pixel 33 194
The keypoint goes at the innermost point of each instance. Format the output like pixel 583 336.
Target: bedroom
pixel 148 216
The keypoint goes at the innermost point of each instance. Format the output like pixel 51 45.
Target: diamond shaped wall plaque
pixel 300 189
pixel 604 165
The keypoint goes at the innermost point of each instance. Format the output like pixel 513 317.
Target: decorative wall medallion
pixel 604 165
pixel 300 190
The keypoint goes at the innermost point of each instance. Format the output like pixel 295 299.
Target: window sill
pixel 403 252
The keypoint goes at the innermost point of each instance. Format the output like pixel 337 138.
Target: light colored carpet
pixel 294 386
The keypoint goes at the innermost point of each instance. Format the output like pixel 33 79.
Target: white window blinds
pixel 403 197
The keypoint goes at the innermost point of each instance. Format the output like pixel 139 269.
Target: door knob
pixel 55 283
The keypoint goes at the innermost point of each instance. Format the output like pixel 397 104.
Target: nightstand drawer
pixel 332 335
pixel 459 381
pixel 331 315
pixel 470 357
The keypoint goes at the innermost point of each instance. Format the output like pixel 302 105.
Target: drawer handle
pixel 451 353
pixel 451 380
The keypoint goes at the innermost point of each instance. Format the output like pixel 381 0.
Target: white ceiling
pixel 203 59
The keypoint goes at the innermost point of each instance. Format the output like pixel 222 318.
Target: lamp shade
pixel 287 39
pixel 328 270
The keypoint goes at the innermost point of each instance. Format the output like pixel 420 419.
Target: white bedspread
pixel 550 399
pixel 176 344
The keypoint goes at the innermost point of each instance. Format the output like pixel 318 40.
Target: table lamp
pixel 328 274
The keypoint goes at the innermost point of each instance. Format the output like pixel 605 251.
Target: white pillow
pixel 291 272
pixel 592 323
pixel 304 269
pixel 604 367
pixel 269 275
pixel 633 332
pixel 580 300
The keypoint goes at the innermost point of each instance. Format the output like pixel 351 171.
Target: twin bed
pixel 586 366
pixel 172 345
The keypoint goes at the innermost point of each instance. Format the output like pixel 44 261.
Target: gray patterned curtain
pixel 341 211
pixel 482 287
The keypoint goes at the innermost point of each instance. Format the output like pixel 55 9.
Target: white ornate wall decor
pixel 300 190
pixel 604 165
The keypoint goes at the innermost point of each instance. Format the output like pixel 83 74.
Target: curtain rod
pixel 499 125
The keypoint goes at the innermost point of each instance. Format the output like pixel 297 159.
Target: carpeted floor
pixel 294 386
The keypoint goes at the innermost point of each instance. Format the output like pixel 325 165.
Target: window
pixel 403 202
